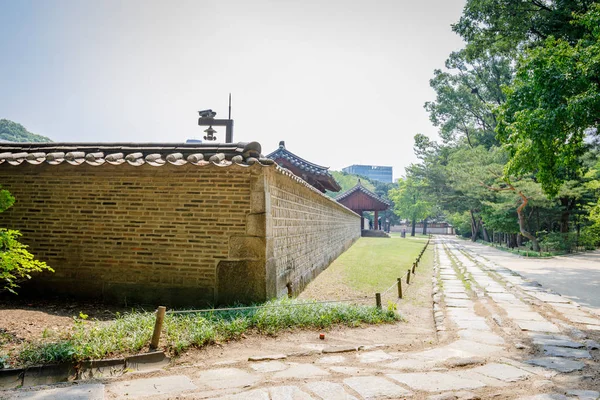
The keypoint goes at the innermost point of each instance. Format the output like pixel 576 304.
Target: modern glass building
pixel 374 172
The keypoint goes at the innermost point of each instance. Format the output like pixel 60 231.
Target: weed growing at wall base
pixel 131 332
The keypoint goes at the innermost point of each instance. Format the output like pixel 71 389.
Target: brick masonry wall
pixel 130 234
pixel 174 235
pixel 306 231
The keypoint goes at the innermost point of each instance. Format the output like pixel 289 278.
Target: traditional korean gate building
pixel 360 199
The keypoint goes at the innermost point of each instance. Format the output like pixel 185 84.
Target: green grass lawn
pixel 131 333
pixel 371 265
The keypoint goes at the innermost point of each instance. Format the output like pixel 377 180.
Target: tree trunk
pixel 486 236
pixel 512 240
pixel 425 226
pixel 474 227
pixel 524 232
pixel 565 214
pixel 414 224
pixel 519 240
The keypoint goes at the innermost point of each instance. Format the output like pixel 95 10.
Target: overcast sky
pixel 342 82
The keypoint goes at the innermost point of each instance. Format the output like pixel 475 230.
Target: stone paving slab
pixel 560 364
pixel 457 295
pixel 504 298
pixel 471 375
pixel 352 371
pixel 552 396
pixel 482 337
pixel 288 393
pixel 550 298
pixel 268 366
pixel 75 392
pixel 373 387
pixel 592 327
pixel 300 371
pixel 225 378
pixel 374 357
pixel 584 394
pixel 583 319
pixel 257 394
pixel 554 351
pixel 329 391
pixel 448 273
pixel 472 324
pixel 535 370
pixel 462 313
pixel 458 303
pixel 495 289
pixel 475 348
pixel 454 289
pixel 441 354
pixel 435 381
pixel 558 340
pixel 331 360
pixel 524 315
pixel 141 388
pixel 503 372
pixel 413 364
pixel 536 326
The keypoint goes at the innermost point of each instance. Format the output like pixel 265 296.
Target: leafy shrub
pixel 590 237
pixel 16 263
pixel 555 241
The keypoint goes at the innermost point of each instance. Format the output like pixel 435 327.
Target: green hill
pixel 347 182
pixel 13 132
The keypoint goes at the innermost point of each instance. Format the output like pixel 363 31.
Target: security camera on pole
pixel 207 118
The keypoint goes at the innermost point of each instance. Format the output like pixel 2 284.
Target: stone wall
pixel 175 234
pixel 306 231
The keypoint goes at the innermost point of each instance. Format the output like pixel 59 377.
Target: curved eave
pixel 280 151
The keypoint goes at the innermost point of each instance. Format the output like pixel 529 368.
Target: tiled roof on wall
pixel 155 154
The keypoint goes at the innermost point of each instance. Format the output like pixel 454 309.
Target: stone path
pixel 500 336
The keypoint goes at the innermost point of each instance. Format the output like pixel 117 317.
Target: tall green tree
pixel 411 201
pixel 553 105
pixel 508 26
pixel 467 93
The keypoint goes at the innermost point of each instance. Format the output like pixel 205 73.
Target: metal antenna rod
pixel 229 105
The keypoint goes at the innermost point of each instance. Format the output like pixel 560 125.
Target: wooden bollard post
pixel 160 317
pixel 378 300
pixel 399 288
pixel 413 268
pixel 408 277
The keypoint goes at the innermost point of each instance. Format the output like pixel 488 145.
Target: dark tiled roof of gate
pixel 360 188
pixel 155 154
